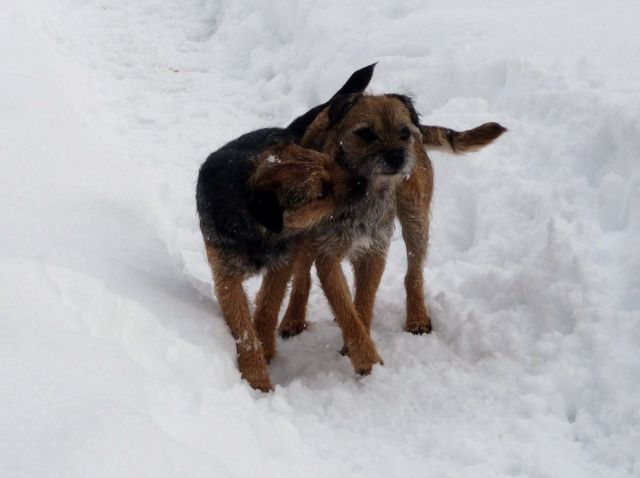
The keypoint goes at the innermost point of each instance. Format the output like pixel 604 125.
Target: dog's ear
pixel 347 96
pixel 263 206
pixel 340 106
pixel 408 103
pixel 358 81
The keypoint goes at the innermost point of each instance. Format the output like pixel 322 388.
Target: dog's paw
pixel 365 369
pixel 289 329
pixel 253 368
pixel 258 379
pixel 263 384
pixel 418 323
pixel 364 358
pixel 419 329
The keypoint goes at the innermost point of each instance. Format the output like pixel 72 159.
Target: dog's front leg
pixel 367 269
pixel 268 302
pixel 362 351
pixel 414 198
pixel 235 309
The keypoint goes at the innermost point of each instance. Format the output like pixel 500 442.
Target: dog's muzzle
pixel 394 161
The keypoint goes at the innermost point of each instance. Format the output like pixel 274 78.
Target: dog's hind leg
pixel 268 302
pixel 414 198
pixel 294 321
pixel 362 351
pixel 235 309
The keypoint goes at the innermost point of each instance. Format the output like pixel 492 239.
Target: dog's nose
pixel 357 188
pixel 394 159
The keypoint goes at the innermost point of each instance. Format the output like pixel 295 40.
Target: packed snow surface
pixel 114 359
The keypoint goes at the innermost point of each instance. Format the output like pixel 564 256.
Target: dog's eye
pixel 366 134
pixel 405 133
pixel 326 190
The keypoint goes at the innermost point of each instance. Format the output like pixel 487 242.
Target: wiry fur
pixel 374 136
pixel 370 223
pixel 460 142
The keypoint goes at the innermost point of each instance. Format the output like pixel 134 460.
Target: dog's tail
pixel 357 83
pixel 460 142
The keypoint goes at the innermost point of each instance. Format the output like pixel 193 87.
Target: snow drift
pixel 115 361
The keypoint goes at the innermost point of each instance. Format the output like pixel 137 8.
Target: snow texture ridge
pixel 115 360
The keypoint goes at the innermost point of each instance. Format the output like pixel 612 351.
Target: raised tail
pixel 460 142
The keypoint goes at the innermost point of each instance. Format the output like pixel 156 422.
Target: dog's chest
pixel 363 226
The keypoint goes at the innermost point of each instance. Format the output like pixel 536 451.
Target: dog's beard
pixel 379 166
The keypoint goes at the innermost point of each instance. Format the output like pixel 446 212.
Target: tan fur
pixel 413 210
pixel 235 309
pixel 355 335
pixel 268 302
pixel 294 320
pixel 367 272
pixel 300 172
pixel 450 141
pixel 385 115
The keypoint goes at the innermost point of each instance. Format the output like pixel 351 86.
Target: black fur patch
pixel 263 206
pixel 340 106
pixel 224 198
pixel 358 81
pixel 450 137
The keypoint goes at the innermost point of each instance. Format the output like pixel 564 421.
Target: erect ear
pixel 263 206
pixel 340 106
pixel 358 81
pixel 415 117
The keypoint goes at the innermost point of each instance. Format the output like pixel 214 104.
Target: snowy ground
pixel 114 360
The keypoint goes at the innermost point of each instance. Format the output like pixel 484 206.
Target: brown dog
pixel 381 138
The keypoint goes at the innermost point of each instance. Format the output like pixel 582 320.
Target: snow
pixel 115 360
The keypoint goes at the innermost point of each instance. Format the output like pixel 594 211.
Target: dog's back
pixel 221 198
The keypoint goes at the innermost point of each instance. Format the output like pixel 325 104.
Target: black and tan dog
pixel 257 198
pixel 381 138
pixel 262 201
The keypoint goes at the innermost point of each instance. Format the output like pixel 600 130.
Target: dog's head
pixel 374 136
pixel 296 188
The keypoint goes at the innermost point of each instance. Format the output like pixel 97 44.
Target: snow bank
pixel 115 361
